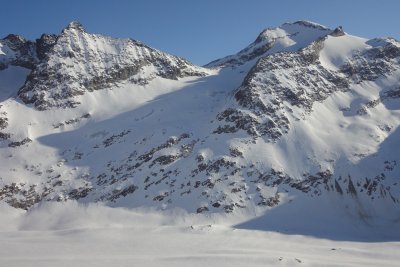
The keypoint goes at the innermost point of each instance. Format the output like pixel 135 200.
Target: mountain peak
pixel 290 28
pixel 74 25
pixel 306 23
pixel 79 64
pixel 15 39
pixel 289 36
pixel 338 31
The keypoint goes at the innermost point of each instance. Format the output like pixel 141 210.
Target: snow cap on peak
pixel 306 23
pixel 286 28
pixel 14 38
pixel 74 25
pixel 14 41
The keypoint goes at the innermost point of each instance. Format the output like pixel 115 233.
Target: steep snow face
pixel 287 37
pixel 315 120
pixel 78 62
pixel 337 51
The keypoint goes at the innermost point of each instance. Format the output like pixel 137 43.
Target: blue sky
pixel 200 31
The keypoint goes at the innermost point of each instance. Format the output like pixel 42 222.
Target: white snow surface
pixel 71 234
pixel 337 50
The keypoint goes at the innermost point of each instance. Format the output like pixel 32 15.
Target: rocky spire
pixel 74 25
pixel 337 32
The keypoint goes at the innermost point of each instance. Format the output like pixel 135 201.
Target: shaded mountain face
pixel 303 113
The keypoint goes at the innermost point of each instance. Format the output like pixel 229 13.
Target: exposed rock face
pixel 337 32
pixel 382 60
pixel 44 45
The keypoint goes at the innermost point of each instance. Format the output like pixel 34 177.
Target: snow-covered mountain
pixel 305 114
pixel 76 61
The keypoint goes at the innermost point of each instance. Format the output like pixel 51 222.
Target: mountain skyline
pixel 210 29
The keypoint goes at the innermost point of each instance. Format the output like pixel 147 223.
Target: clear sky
pixel 199 30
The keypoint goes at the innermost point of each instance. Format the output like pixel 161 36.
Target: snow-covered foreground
pixel 69 234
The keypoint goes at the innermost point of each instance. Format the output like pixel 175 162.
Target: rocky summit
pixel 304 114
